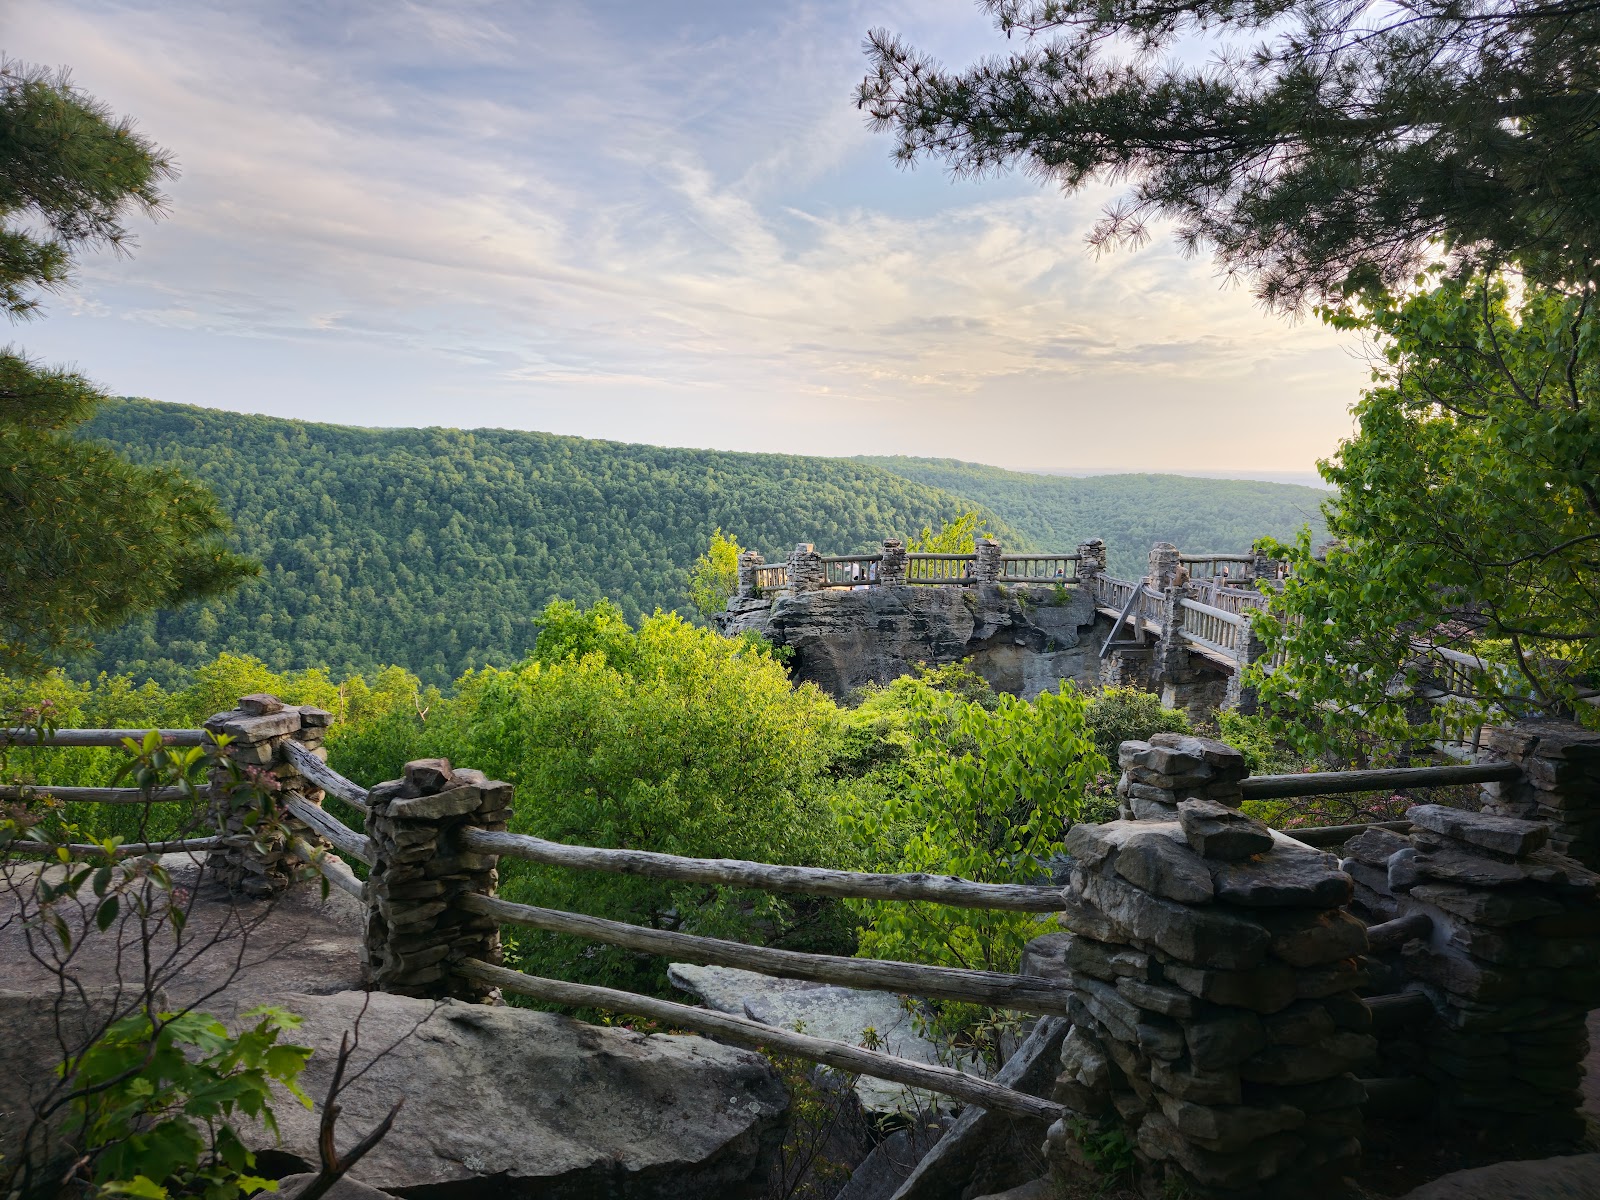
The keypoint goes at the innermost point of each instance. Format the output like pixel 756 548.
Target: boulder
pixel 1573 1177
pixel 498 1101
pixel 822 1010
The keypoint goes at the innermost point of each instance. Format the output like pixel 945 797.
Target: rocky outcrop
pixel 499 1101
pixel 1023 639
pixel 823 1010
pixel 1574 1177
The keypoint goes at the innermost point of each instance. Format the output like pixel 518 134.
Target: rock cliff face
pixel 1022 639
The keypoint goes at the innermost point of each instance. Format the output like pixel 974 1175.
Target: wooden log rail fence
pixel 460 817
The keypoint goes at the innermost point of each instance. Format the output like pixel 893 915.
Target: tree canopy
pixel 87 539
pixel 1320 147
pixel 1468 519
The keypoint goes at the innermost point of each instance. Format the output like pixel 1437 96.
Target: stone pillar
pixel 749 561
pixel 892 567
pixel 1560 782
pixel 806 571
pixel 1163 566
pixel 253 860
pixel 986 560
pixel 415 925
pixel 1091 557
pixel 1170 768
pixel 1212 995
pixel 1511 964
pixel 1171 666
pixel 1250 649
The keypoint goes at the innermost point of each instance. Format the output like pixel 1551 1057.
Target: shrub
pixel 668 738
pixel 1126 714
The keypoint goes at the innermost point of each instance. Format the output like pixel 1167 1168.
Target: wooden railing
pixel 772 578
pixel 1214 632
pixel 939 568
pixel 1026 994
pixel 1038 568
pixel 852 570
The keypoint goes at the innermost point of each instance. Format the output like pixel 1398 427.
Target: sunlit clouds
pixel 660 223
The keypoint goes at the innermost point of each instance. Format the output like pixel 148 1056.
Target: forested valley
pixel 436 548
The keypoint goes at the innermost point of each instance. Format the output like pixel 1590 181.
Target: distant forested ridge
pixel 1132 512
pixel 437 548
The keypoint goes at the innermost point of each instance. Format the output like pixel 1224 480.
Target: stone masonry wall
pixel 415 925
pixel 1216 1022
pixel 1505 946
pixel 252 860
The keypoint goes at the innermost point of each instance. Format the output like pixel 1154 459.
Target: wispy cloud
pixel 651 222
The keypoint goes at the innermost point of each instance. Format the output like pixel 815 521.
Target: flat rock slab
pixel 1503 835
pixel 1574 1177
pixel 821 1010
pixel 516 1103
pixel 499 1101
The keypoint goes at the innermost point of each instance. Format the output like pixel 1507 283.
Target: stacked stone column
pixel 1509 956
pixel 986 560
pixel 892 566
pixel 1164 563
pixel 1216 1023
pixel 1250 649
pixel 750 561
pixel 416 927
pixel 1091 557
pixel 1170 768
pixel 253 859
pixel 1560 783
pixel 807 572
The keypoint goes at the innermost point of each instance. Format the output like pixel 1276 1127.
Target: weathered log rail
pixel 457 840
pixel 853 1059
pixel 772 877
pixel 113 739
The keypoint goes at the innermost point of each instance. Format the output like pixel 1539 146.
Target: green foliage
pixel 715 575
pixel 87 538
pixel 1314 147
pixel 1117 715
pixel 667 738
pixel 959 536
pixel 436 548
pixel 153 1098
pixel 982 793
pixel 1469 516
pixel 158 1097
pixel 69 171
pixel 1131 512
pixel 1107 1150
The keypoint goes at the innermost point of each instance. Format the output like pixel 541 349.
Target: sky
pixel 650 222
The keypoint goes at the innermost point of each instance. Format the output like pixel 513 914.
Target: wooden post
pixel 417 927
